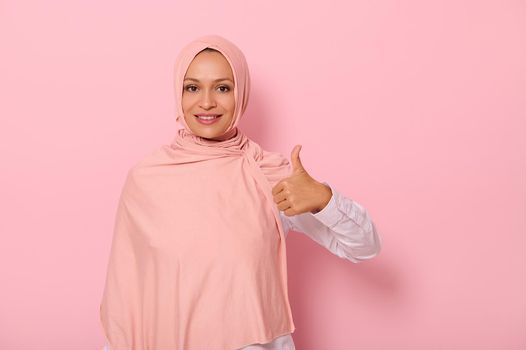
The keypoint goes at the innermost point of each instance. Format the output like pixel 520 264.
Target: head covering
pixel 198 256
pixel 239 66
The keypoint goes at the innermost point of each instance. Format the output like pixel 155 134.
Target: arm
pixel 343 227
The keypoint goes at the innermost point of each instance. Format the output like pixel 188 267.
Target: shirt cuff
pixel 329 215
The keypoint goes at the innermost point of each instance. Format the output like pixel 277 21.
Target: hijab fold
pixel 198 256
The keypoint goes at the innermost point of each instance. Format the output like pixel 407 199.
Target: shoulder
pixel 154 157
pixel 143 165
pixel 276 159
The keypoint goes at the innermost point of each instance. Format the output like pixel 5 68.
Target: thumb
pixel 295 159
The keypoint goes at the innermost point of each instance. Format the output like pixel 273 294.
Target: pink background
pixel 414 109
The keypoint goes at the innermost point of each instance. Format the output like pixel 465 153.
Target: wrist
pixel 325 195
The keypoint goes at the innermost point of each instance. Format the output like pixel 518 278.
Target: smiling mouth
pixel 207 119
pixel 207 116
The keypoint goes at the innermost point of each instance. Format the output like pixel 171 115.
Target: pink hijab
pixel 198 256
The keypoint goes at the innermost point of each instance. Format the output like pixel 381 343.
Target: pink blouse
pixel 344 227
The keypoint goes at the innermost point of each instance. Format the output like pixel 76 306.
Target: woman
pixel 198 257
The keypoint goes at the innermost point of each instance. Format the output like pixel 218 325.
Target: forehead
pixel 211 65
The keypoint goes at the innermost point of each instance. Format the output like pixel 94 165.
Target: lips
pixel 207 118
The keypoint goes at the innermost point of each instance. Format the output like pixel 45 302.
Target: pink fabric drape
pixel 198 256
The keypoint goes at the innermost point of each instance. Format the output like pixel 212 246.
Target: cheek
pixel 229 103
pixel 187 102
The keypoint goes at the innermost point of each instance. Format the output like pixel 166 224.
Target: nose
pixel 207 100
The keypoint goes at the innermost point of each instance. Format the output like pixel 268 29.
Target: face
pixel 208 89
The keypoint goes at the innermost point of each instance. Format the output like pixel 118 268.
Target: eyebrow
pixel 220 79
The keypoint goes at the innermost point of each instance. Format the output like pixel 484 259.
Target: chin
pixel 208 135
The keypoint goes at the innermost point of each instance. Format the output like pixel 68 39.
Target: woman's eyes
pixel 193 88
pixel 190 87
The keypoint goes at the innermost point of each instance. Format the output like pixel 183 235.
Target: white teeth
pixel 206 117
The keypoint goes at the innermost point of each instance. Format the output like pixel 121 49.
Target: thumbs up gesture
pixel 300 193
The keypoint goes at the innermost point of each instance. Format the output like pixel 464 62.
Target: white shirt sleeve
pixel 344 227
